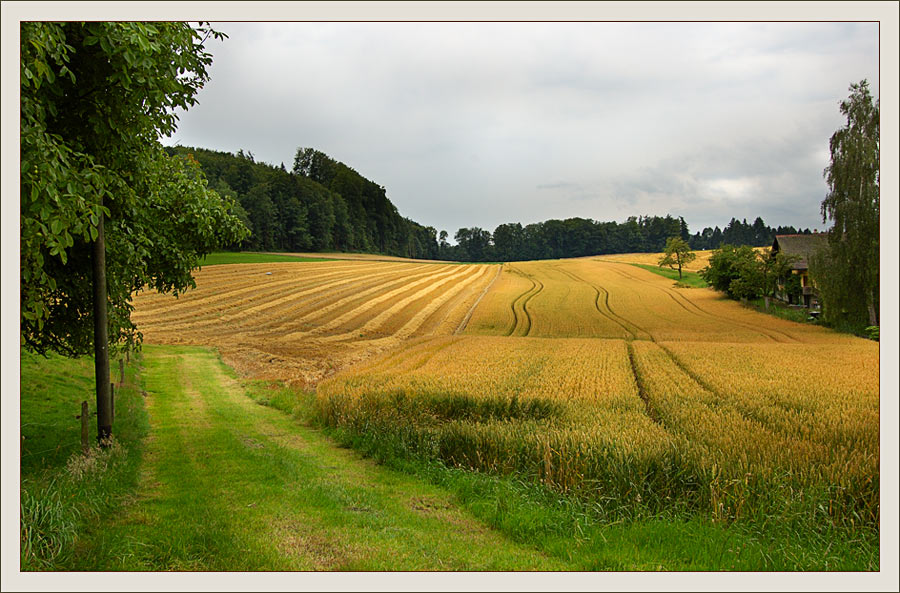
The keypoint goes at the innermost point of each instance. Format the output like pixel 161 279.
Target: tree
pixel 847 275
pixel 95 100
pixel 735 271
pixel 677 254
pixel 747 273
pixel 473 243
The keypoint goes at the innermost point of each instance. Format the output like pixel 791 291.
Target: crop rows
pixel 602 378
pixel 591 376
pixel 304 320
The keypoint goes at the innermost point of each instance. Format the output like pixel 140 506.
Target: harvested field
pixel 303 321
pixel 362 257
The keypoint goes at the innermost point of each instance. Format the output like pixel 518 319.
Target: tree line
pixel 322 204
pixel 578 237
pixel 319 205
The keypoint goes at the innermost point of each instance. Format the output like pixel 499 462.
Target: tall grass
pixel 64 490
pixel 596 527
pixel 634 434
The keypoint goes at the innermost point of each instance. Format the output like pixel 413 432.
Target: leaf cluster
pixel 95 100
pixel 848 275
pixel 744 272
pixel 677 254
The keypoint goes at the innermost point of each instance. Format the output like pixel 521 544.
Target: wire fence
pixel 56 448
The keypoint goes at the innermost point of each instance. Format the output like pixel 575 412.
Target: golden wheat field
pixel 590 375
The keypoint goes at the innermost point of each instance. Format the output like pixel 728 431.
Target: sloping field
pixel 600 299
pixel 652 259
pixel 601 377
pixel 302 321
pixel 588 375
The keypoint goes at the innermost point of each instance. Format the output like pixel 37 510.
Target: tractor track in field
pixel 608 313
pixel 642 389
pixel 462 324
pixel 536 287
pixel 695 309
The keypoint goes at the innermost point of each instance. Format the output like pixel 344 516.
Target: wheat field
pixel 631 385
pixel 589 375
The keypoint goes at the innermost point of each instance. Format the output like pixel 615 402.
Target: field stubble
pixel 300 322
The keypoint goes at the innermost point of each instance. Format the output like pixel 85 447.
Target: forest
pixel 322 204
pixel 319 205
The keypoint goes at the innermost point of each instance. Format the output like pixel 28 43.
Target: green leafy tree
pixel 733 270
pixel 778 267
pixel 847 275
pixel 747 273
pixel 677 254
pixel 95 100
pixel 473 243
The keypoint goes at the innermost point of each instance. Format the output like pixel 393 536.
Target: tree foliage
pixel 738 232
pixel 847 275
pixel 95 100
pixel 580 237
pixel 319 205
pixel 677 254
pixel 746 273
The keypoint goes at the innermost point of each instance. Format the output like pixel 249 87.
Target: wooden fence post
pixel 85 428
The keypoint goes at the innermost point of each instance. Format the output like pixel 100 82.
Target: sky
pixel 478 124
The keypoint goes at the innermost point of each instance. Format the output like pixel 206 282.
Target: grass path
pixel 228 484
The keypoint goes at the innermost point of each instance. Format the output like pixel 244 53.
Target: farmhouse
pixel 801 247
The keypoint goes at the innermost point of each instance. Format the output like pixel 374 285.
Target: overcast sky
pixel 478 124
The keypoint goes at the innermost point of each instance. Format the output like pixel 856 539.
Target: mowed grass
pixel 691 279
pixel 247 257
pixel 227 484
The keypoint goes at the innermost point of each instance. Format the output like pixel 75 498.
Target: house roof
pixel 801 246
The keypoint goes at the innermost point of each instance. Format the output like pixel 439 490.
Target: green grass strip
pixel 690 279
pixel 247 257
pixel 232 485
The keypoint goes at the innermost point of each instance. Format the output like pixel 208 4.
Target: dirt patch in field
pixel 313 546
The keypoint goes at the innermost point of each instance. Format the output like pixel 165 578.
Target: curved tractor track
pixel 691 307
pixel 522 323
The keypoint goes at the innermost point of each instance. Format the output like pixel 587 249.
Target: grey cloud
pixel 476 124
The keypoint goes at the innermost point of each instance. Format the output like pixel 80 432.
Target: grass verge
pixel 247 257
pixel 228 485
pixel 64 493
pixel 687 280
pixel 595 534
